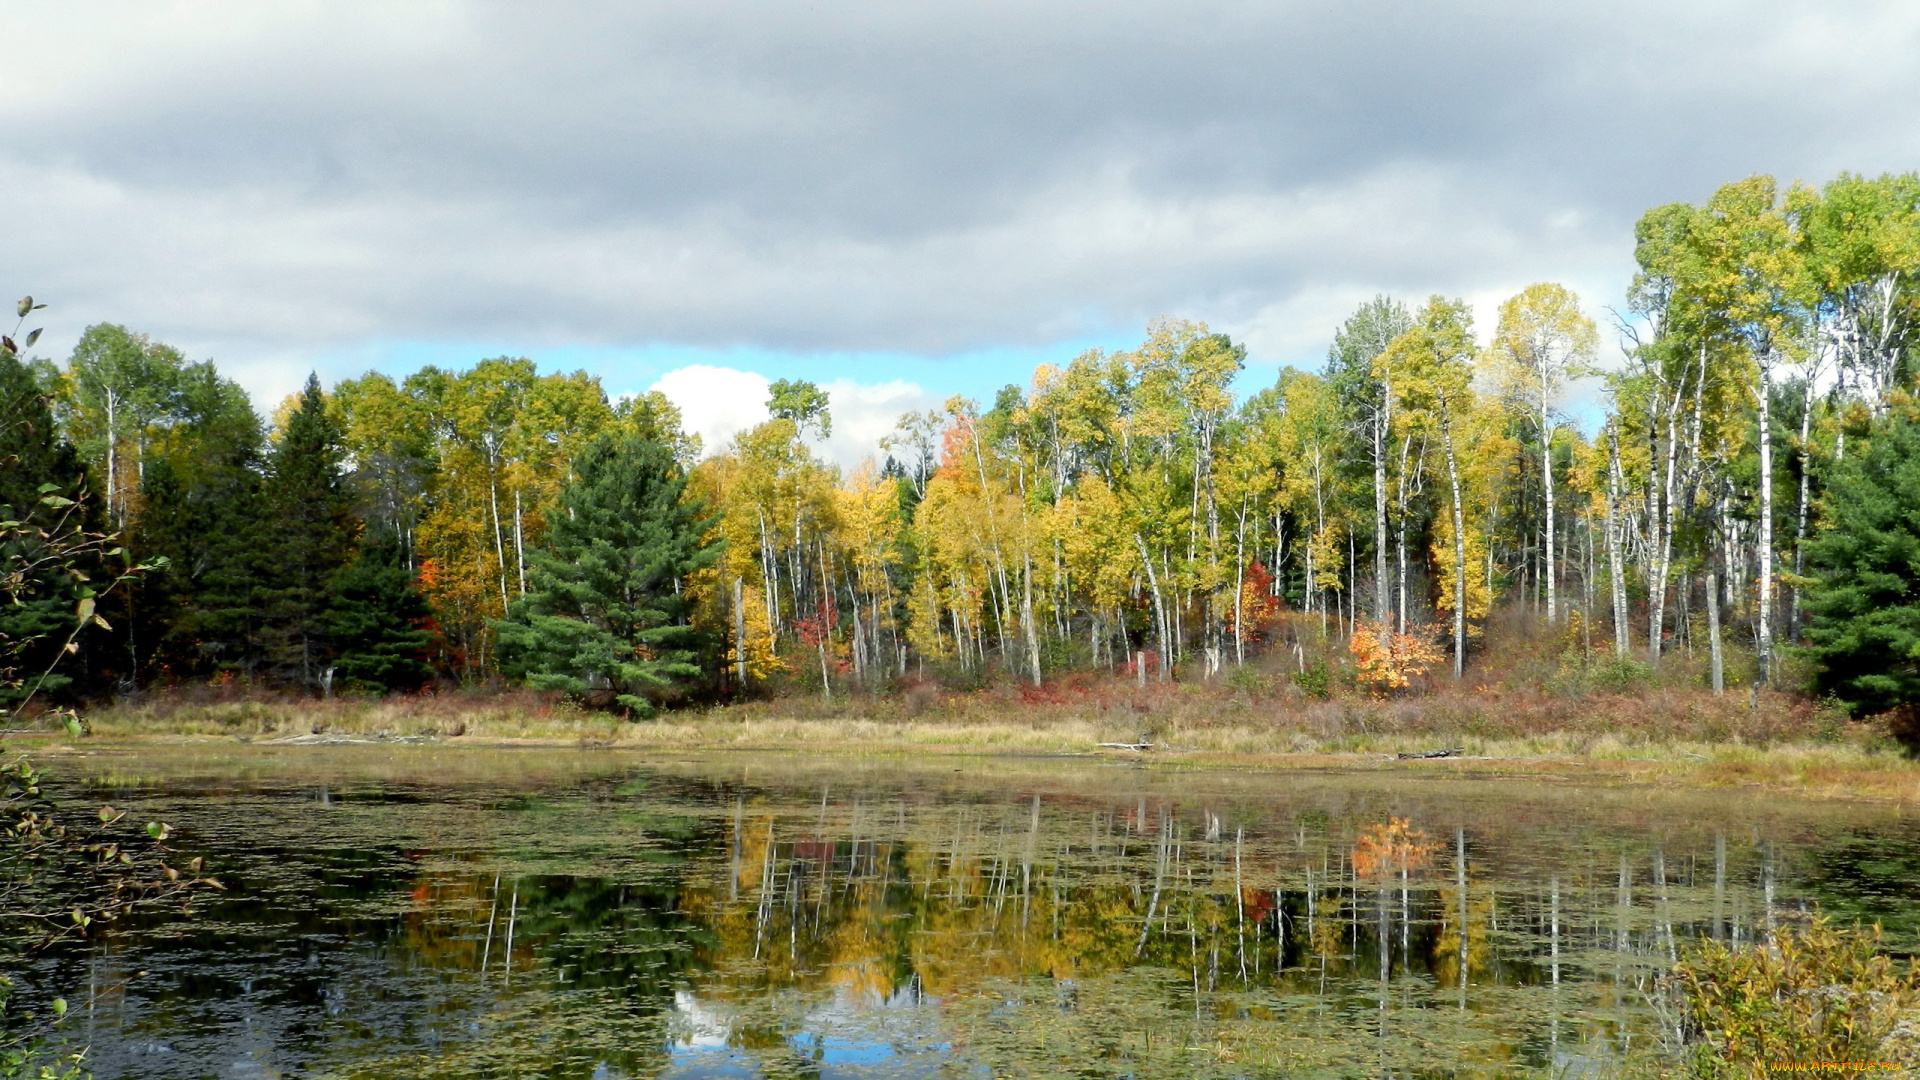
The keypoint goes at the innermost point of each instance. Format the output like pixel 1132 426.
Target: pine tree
pixel 605 618
pixel 379 626
pixel 203 508
pixel 313 534
pixel 37 604
pixel 1865 565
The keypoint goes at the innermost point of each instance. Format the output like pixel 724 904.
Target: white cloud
pixel 718 403
pixel 271 185
pixel 864 414
pixel 715 403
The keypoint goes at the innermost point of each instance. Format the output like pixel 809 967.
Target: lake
pixel 424 911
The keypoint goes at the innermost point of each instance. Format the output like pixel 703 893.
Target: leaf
pixel 55 500
pixel 157 830
pixel 25 305
pixel 33 335
pixel 7 345
pixel 84 610
pixel 74 727
pixel 106 813
pixel 101 623
pixel 59 1006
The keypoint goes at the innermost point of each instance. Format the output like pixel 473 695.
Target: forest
pixel 1729 479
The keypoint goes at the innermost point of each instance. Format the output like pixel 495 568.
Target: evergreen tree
pixel 1865 562
pixel 313 534
pixel 380 625
pixel 204 510
pixel 605 617
pixel 39 472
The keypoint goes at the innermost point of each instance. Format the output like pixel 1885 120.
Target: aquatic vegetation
pixel 1818 993
pixel 424 911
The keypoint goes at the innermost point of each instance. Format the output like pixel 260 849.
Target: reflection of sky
pixel 845 1036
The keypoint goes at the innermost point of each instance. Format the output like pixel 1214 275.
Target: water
pixel 423 911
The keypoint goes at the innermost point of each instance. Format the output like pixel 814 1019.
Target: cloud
pixel 715 403
pixel 278 186
pixel 718 403
pixel 865 414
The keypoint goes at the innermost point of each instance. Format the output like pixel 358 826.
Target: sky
pixel 901 202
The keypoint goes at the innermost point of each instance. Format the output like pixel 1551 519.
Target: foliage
pixel 380 625
pixel 1124 502
pixel 1817 993
pixel 1315 680
pixel 50 546
pixel 801 404
pixel 312 536
pixel 65 876
pixel 606 616
pixel 1386 662
pixel 1619 675
pixel 1865 565
pixel 1392 847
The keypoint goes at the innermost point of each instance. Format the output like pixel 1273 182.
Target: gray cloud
pixel 276 183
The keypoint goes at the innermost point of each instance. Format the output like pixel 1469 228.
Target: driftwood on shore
pixel 327 739
pixel 1143 744
pixel 1425 754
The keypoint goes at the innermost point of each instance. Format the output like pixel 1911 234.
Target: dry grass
pixel 1534 702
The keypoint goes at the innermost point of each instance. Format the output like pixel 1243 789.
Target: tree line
pixel 1125 509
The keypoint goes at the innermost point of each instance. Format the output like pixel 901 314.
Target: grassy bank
pixel 1769 740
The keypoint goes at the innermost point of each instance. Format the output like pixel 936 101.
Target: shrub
pixel 1385 661
pixel 1822 993
pixel 1620 675
pixel 1246 679
pixel 1315 680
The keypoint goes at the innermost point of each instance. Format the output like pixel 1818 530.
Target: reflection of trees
pixel 1145 938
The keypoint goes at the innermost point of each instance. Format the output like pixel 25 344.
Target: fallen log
pixel 1428 754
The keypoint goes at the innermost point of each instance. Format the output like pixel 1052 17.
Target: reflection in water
pixel 690 923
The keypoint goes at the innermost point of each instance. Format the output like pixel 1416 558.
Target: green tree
pixel 313 532
pixel 43 485
pixel 605 617
pixel 1436 359
pixel 1865 566
pixel 803 403
pixel 119 388
pixel 379 625
pixel 204 511
pixel 1365 389
pixel 1543 342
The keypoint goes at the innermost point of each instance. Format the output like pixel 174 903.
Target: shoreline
pixel 1838 770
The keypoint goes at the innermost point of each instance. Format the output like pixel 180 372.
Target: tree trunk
pixel 740 634
pixel 113 452
pixel 1663 556
pixel 1026 615
pixel 499 542
pixel 1546 476
pixel 1763 603
pixel 1459 546
pixel 1380 422
pixel 519 544
pixel 1159 603
pixel 1714 662
pixel 1800 524
pixel 1240 587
